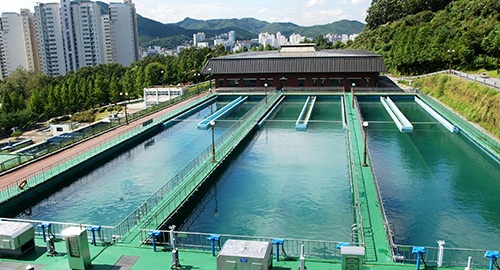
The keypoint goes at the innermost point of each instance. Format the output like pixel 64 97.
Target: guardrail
pixel 104 236
pixel 484 80
pixel 183 184
pixel 326 250
pixel 485 142
pixel 41 175
pixel 452 257
pixel 354 183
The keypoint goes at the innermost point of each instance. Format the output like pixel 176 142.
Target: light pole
pixel 451 52
pixel 162 78
pixel 265 86
pixel 125 97
pixel 365 127
pixel 212 125
pixel 210 71
pixel 197 83
pixel 352 94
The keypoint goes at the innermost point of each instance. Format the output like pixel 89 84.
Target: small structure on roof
pixel 299 65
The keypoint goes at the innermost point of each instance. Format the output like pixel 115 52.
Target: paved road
pixel 43 164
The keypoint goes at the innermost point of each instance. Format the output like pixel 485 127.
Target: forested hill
pixel 419 36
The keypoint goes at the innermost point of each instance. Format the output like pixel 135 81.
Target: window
pixel 233 82
pixel 335 81
pixel 315 81
pixel 221 82
pixel 269 81
pixel 250 82
pixel 323 81
pixel 302 82
pixel 59 129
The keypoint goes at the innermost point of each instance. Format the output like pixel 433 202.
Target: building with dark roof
pixel 296 66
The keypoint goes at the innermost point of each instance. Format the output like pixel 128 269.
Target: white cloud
pixel 313 3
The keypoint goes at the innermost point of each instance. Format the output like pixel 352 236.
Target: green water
pixel 286 183
pixel 435 185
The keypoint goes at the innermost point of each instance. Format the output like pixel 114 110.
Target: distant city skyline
pixel 300 12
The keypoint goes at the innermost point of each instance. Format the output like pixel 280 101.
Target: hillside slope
pixel 462 33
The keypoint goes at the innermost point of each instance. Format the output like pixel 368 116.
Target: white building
pixel 296 39
pixel 123 29
pixel 87 30
pixel 232 37
pixel 16 44
pixel 197 38
pixel 67 29
pixel 50 39
pixel 106 38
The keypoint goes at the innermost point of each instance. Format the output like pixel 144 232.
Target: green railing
pixel 184 183
pixel 314 249
pixel 452 257
pixel 105 234
pixel 485 141
pixel 39 176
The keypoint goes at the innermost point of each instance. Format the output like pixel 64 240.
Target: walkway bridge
pixel 161 205
pixel 58 165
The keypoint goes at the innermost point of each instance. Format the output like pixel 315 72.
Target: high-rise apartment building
pixel 87 31
pixel 16 44
pixel 123 29
pixel 65 36
pixel 50 39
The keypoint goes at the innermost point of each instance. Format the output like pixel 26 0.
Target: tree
pixel 491 44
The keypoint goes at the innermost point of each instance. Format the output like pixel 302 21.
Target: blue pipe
pixel 493 255
pixel 44 226
pixel 153 235
pixel 94 229
pixel 213 238
pixel 278 242
pixel 419 251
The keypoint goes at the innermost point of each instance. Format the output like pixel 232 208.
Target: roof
pixel 298 60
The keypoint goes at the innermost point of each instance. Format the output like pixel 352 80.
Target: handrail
pixel 41 175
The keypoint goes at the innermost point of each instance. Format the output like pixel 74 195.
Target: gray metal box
pixel 245 255
pixel 352 257
pixel 16 238
pixel 78 248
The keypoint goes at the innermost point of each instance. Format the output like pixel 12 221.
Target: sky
pixel 301 12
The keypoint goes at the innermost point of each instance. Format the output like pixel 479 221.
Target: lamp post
pixel 212 126
pixel 265 86
pixel 162 78
pixel 210 79
pixel 365 127
pixel 451 52
pixel 352 94
pixel 197 83
pixel 124 96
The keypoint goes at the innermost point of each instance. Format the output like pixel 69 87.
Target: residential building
pixel 106 38
pixel 197 38
pixel 123 29
pixel 50 39
pixel 16 45
pixel 87 31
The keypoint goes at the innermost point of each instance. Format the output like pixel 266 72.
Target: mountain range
pixel 170 35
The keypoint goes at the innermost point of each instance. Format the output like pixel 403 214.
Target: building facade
pixel 296 66
pixel 123 29
pixel 50 39
pixel 16 44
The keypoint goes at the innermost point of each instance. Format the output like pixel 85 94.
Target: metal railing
pixel 182 185
pixel 354 180
pixel 48 172
pixel 486 142
pixel 452 257
pixel 326 250
pixel 484 80
pixel 104 236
